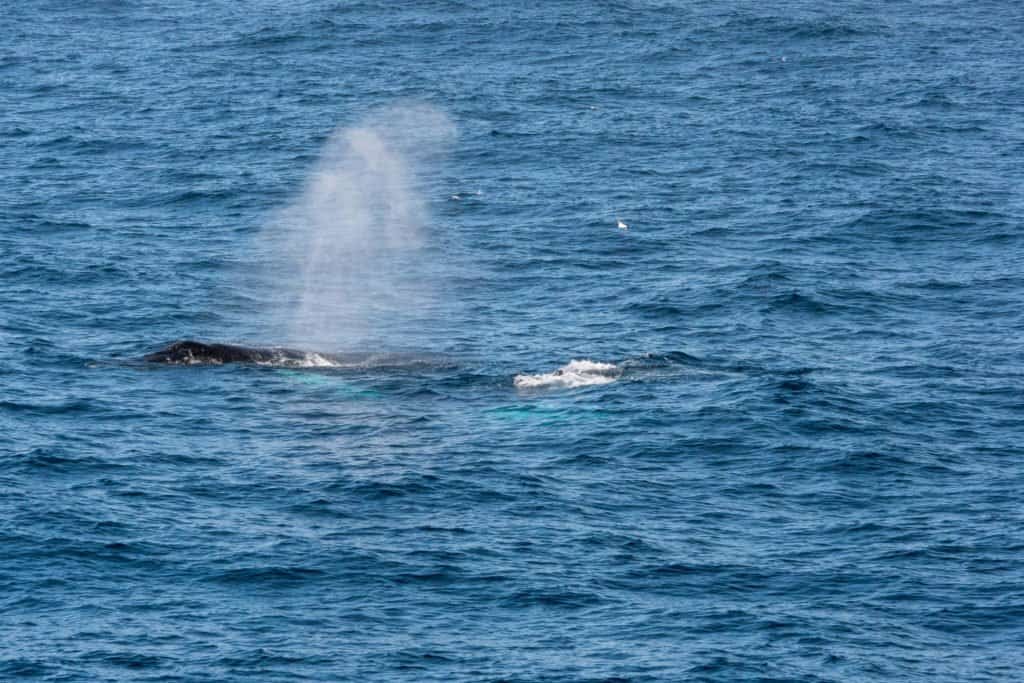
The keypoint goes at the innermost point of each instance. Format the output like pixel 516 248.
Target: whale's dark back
pixel 189 352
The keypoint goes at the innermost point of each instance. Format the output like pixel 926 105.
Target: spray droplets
pixel 353 239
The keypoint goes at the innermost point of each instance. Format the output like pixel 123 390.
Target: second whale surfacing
pixel 191 352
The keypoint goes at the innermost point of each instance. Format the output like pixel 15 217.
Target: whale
pixel 192 352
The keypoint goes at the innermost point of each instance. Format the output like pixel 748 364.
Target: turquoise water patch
pixel 336 384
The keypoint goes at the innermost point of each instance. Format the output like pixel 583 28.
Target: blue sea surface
pixel 717 313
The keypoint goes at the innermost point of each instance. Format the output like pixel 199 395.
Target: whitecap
pixel 576 373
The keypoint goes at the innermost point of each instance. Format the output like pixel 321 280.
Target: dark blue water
pixel 803 460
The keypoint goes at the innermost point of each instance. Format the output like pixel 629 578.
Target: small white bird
pixel 622 225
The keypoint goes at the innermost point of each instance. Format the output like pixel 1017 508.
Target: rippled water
pixel 720 307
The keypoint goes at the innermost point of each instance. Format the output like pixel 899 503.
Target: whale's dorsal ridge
pixel 192 352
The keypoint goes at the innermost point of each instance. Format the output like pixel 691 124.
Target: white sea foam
pixel 315 360
pixel 306 360
pixel 576 373
pixel 283 358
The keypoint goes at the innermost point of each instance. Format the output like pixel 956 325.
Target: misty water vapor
pixel 350 246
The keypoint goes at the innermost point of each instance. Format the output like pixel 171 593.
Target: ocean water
pixel 708 319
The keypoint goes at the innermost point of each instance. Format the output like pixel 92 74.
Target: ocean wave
pixel 576 373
